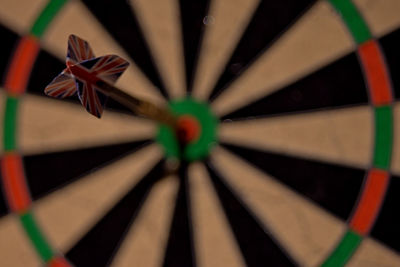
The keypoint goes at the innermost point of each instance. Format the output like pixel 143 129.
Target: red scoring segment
pixel 14 183
pixel 21 65
pixel 370 202
pixel 377 180
pixel 376 73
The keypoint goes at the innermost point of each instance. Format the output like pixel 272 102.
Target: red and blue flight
pixel 82 74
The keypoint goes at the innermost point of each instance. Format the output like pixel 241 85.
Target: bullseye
pixel 195 133
pixel 188 129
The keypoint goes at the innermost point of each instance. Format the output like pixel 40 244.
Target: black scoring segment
pixel 100 244
pixel 119 19
pixel 390 45
pixel 386 228
pixel 268 22
pixel 194 20
pixel 9 41
pixel 257 245
pixel 180 247
pixel 50 171
pixel 333 187
pixel 3 205
pixel 339 84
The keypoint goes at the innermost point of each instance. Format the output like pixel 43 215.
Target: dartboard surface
pixel 293 112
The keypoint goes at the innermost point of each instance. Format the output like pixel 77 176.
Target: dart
pixel 92 78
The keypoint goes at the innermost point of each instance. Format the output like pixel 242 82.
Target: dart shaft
pixel 138 106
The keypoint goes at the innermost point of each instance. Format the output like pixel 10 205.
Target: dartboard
pixel 291 108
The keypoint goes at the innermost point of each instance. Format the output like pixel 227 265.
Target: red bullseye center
pixel 188 129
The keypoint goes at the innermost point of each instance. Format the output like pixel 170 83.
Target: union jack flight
pixel 84 74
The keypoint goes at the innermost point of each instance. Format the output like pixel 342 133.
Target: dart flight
pixel 92 79
pixel 83 73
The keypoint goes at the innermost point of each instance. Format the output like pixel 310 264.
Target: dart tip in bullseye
pixel 187 129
